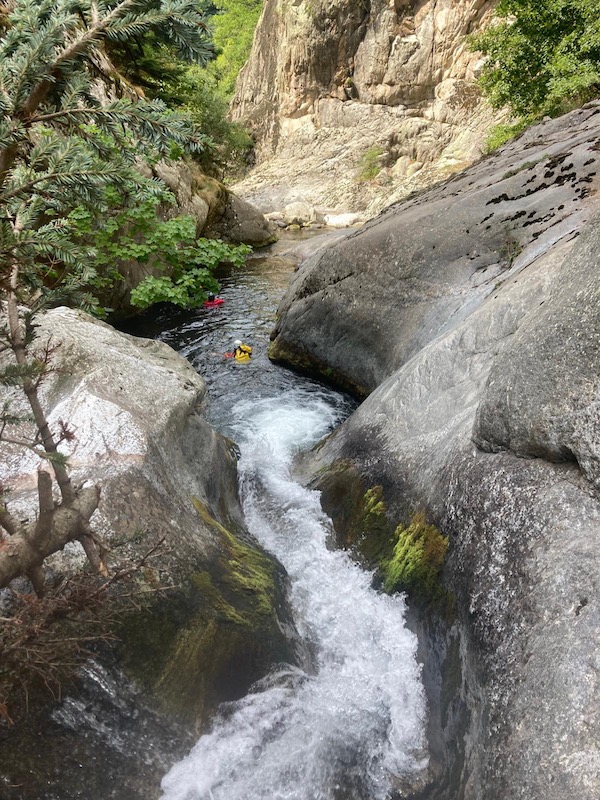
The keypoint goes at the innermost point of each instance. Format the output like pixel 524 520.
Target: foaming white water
pixel 345 728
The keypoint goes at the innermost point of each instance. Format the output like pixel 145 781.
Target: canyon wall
pixel 352 102
pixel 470 317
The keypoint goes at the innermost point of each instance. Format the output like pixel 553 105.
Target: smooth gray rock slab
pixel 471 315
pixel 365 306
pixel 543 394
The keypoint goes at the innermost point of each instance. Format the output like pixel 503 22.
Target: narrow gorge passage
pixel 349 721
pixel 342 727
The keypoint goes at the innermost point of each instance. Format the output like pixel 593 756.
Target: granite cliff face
pixel 471 316
pixel 335 86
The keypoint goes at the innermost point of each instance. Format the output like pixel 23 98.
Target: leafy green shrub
pixel 503 133
pixel 192 274
pixel 369 165
pixel 542 57
pixel 417 560
pixel 137 234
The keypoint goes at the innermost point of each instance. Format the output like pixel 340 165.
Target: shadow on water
pixel 251 296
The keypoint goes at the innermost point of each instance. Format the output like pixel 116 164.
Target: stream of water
pixel 348 724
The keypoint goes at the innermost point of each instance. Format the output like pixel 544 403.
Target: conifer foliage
pixel 60 149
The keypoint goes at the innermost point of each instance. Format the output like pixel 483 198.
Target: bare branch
pixel 22 551
pixel 7 521
pixel 29 445
pixel 38 580
pixel 43 529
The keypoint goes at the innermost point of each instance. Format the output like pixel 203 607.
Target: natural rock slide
pixel 469 315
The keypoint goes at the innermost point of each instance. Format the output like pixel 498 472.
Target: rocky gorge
pixel 211 616
pixel 355 104
pixel 464 319
pixel 468 318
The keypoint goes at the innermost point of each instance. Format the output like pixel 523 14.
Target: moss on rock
pixel 218 632
pixel 407 558
pixel 417 560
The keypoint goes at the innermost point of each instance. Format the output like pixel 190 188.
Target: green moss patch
pixel 207 640
pixel 417 559
pixel 407 558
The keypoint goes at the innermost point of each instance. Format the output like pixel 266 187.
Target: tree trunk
pixel 25 551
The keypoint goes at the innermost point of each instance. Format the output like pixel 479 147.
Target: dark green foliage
pixel 543 57
pixel 151 63
pixel 60 149
pixel 192 276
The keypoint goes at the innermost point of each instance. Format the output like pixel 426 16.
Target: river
pixel 350 723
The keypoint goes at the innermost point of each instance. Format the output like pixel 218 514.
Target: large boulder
pixel 218 212
pixel 217 622
pixel 361 308
pixel 482 366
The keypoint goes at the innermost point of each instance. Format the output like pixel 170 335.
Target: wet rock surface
pixel 482 368
pixel 220 623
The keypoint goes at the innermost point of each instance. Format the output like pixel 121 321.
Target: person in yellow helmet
pixel 241 352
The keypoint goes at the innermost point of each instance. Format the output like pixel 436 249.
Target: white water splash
pixel 347 726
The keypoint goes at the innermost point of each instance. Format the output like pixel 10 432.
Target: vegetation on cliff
pixel 233 27
pixel 150 62
pixel 542 58
pixel 67 157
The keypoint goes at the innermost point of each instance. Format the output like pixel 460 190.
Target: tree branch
pixel 43 529
pixel 18 346
pixel 23 552
pixel 77 47
pixel 7 521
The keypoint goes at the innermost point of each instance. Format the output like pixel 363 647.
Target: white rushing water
pixel 345 727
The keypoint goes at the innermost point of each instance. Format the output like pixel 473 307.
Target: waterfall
pixel 350 722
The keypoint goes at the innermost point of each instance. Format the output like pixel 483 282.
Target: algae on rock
pixel 417 560
pixel 217 634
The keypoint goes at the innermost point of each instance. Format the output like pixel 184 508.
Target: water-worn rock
pixel 217 211
pixel 353 104
pixel 482 363
pixel 302 214
pixel 135 409
pixel 363 307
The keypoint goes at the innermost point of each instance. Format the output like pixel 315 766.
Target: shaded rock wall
pixel 135 407
pixel 482 361
pixel 329 81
